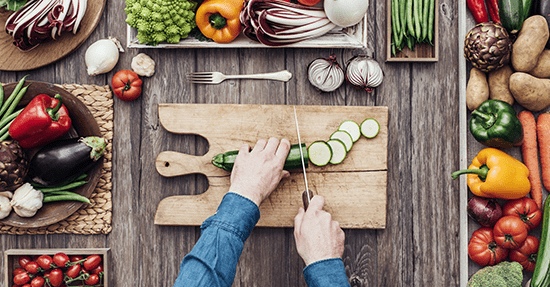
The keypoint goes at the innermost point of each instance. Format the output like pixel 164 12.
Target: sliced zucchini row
pixel 338 151
pixel 370 128
pixel 352 128
pixel 320 153
pixel 345 137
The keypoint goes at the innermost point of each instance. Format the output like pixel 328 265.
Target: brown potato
pixel 499 81
pixel 530 43
pixel 530 92
pixel 542 69
pixel 477 90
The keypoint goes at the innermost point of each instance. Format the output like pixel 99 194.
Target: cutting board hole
pixel 166 164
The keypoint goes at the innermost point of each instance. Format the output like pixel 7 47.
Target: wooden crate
pixel 11 259
pixel 422 52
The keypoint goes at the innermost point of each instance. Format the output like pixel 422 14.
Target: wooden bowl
pixel 83 124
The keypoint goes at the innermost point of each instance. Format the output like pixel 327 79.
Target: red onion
pixel 363 72
pixel 484 211
pixel 325 74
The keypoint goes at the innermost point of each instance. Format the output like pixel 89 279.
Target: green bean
pixel 394 26
pixel 395 16
pixel 11 117
pixel 14 93
pixel 416 18
pixel 425 7
pixel 71 185
pixel 15 102
pixel 431 21
pixel 66 196
pixel 4 132
pixel 410 25
pixel 1 94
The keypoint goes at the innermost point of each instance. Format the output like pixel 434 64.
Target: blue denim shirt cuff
pixel 236 214
pixel 327 272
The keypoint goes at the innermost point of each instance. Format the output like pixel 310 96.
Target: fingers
pixel 316 203
pixel 260 145
pixel 244 149
pixel 272 145
pixel 282 150
pixel 298 219
pixel 285 174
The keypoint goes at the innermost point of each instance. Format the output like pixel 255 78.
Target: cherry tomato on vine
pixel 98 269
pixel 32 267
pixel 483 249
pixel 61 259
pixel 18 270
pixel 56 277
pixel 91 262
pixel 21 278
pixel 23 260
pixel 75 258
pixel 73 271
pixel 510 232
pixel 92 280
pixel 126 85
pixel 526 209
pixel 37 282
pixel 44 261
pixel 526 254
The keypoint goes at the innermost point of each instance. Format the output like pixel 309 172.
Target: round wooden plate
pixel 13 59
pixel 83 124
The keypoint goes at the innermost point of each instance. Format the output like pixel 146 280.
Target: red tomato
pixel 18 270
pixel 309 2
pixel 483 249
pixel 76 258
pixel 45 261
pixel 92 262
pixel 73 271
pixel 21 278
pixel 510 232
pixel 92 280
pixel 38 282
pixel 23 260
pixel 56 277
pixel 27 285
pixel 526 209
pixel 61 259
pixel 32 267
pixel 126 85
pixel 98 269
pixel 526 254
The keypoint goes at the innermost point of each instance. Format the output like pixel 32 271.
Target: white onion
pixel 325 74
pixel 102 56
pixel 364 73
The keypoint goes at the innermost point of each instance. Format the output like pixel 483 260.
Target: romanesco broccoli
pixel 504 274
pixel 161 20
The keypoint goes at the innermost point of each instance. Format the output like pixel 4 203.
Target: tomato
pixel 32 267
pixel 92 280
pixel 92 262
pixel 73 271
pixel 61 259
pixel 126 85
pixel 21 278
pixel 98 269
pixel 45 261
pixel 526 254
pixel 23 260
pixel 483 249
pixel 526 209
pixel 510 232
pixel 309 2
pixel 56 277
pixel 38 282
pixel 18 270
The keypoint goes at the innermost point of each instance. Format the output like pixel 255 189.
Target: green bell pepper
pixel 495 124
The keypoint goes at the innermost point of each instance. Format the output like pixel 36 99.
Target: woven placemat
pixel 95 218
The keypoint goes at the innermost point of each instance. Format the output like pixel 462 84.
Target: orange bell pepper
pixel 495 174
pixel 219 19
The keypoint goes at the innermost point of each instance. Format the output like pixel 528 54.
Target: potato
pixel 477 90
pixel 530 92
pixel 499 81
pixel 542 69
pixel 530 43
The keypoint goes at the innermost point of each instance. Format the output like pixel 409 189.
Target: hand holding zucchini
pixel 293 160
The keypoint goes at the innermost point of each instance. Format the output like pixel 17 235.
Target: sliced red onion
pixel 325 74
pixel 364 73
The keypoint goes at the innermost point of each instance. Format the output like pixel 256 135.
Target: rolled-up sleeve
pixel 326 273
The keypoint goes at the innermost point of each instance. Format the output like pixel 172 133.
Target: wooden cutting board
pixel 354 191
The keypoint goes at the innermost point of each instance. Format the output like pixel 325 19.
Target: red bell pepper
pixel 477 7
pixel 43 120
pixel 492 6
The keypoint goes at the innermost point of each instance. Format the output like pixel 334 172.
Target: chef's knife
pixel 306 195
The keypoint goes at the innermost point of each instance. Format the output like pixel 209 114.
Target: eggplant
pixel 61 160
pixel 542 7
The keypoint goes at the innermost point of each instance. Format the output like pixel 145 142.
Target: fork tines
pixel 200 77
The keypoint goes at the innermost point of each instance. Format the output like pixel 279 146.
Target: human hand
pixel 257 173
pixel 317 236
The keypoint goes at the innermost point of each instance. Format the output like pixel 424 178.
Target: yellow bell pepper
pixel 219 19
pixel 495 174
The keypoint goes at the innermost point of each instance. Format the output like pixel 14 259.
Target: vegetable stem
pixel 481 172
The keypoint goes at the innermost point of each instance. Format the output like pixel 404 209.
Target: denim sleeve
pixel 213 260
pixel 326 273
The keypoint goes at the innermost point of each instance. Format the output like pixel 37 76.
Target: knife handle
pixel 305 199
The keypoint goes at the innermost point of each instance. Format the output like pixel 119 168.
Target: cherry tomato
pixel 27 285
pixel 526 209
pixel 483 249
pixel 23 260
pixel 61 259
pixel 18 270
pixel 91 262
pixel 37 282
pixel 21 278
pixel 75 258
pixel 44 261
pixel 92 280
pixel 98 269
pixel 510 232
pixel 32 267
pixel 126 85
pixel 526 254
pixel 56 277
pixel 73 271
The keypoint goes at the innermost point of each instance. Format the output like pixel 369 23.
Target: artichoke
pixel 13 165
pixel 488 46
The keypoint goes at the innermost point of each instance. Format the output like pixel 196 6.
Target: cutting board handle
pixel 170 164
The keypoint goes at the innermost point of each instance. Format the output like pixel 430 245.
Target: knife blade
pixel 306 195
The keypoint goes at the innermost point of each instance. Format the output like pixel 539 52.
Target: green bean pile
pixel 412 22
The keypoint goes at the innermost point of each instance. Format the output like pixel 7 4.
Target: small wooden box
pixel 11 257
pixel 422 52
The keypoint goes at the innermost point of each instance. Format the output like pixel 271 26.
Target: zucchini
pixel 370 128
pixel 345 137
pixel 352 128
pixel 541 274
pixel 511 14
pixel 320 153
pixel 293 160
pixel 338 151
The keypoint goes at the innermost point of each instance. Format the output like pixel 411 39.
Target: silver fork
pixel 217 77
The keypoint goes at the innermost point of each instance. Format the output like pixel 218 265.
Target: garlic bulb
pixel 7 194
pixel 26 200
pixel 102 56
pixel 325 74
pixel 5 207
pixel 364 73
pixel 143 65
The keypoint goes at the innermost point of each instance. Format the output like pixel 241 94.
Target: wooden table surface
pixel 420 245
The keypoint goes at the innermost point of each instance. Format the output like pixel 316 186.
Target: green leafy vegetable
pixel 504 274
pixel 13 5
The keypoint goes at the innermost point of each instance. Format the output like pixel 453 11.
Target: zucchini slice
pixel 352 128
pixel 320 153
pixel 345 137
pixel 338 151
pixel 370 128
